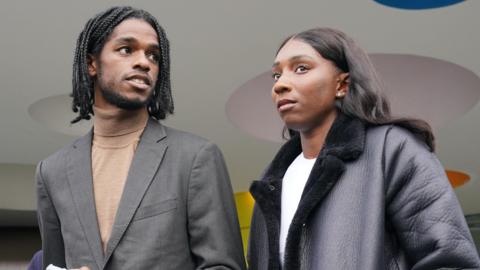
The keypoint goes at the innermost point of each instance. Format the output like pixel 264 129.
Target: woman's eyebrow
pixel 293 59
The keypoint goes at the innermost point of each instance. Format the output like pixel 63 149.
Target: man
pixel 132 193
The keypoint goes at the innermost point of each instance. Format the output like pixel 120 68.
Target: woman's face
pixel 306 86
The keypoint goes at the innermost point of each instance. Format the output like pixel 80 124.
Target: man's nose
pixel 142 62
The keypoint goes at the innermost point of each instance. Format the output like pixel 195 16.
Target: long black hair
pixel 91 41
pixel 365 98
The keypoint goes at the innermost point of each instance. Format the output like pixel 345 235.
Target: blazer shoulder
pixel 57 161
pixel 186 139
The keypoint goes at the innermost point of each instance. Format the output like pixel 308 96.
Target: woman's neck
pixel 313 140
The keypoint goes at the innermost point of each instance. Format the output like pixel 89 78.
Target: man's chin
pixel 123 102
pixel 131 104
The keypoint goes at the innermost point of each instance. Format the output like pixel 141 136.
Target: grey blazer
pixel 176 211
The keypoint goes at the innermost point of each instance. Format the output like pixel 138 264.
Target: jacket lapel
pixel 344 142
pixel 79 173
pixel 268 194
pixel 148 156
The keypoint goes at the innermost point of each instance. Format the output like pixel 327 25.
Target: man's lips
pixel 285 104
pixel 139 81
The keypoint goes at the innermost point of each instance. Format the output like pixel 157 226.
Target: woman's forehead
pixel 295 49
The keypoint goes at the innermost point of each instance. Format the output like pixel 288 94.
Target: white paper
pixel 53 267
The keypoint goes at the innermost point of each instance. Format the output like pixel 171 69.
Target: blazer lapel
pixel 148 156
pixel 79 173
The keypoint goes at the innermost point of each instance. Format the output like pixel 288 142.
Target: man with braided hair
pixel 133 193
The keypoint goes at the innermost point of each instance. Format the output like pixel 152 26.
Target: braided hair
pixel 91 41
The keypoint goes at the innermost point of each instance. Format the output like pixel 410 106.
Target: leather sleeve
pixel 422 207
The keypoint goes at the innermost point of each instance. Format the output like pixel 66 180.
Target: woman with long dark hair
pixel 353 187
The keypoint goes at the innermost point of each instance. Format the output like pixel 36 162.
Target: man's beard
pixel 122 102
pixel 116 99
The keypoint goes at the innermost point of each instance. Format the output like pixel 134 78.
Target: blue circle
pixel 418 4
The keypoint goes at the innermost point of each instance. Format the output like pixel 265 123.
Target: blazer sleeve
pixel 213 227
pixel 50 228
pixel 422 207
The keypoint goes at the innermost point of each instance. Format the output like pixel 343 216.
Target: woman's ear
pixel 92 65
pixel 343 82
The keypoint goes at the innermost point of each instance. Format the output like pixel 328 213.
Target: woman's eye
pixel 276 76
pixel 125 50
pixel 301 69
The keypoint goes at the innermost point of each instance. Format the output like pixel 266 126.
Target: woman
pixel 353 188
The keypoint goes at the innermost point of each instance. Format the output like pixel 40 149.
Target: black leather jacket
pixel 376 198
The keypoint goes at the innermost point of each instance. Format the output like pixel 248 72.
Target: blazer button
pixel 271 187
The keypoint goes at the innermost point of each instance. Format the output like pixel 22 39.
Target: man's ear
pixel 92 65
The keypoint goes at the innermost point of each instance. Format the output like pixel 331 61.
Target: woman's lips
pixel 285 105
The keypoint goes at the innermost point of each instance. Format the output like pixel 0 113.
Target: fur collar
pixel 344 142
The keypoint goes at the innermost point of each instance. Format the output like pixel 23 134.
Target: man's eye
pixel 125 50
pixel 301 69
pixel 155 57
pixel 276 76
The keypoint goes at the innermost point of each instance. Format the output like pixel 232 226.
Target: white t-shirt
pixel 293 184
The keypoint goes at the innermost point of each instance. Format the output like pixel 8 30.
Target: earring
pixel 340 94
pixel 341 81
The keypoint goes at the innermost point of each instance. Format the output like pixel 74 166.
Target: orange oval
pixel 457 178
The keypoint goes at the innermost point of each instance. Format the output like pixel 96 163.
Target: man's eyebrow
pixel 293 59
pixel 130 40
pixel 126 40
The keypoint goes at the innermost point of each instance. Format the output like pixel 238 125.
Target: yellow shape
pixel 244 202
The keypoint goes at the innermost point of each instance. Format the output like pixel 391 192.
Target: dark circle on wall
pixel 418 4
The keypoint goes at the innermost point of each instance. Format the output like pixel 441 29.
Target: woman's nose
pixel 281 86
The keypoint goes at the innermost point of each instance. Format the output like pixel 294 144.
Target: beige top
pixel 116 134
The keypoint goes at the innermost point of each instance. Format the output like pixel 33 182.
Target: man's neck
pixel 115 121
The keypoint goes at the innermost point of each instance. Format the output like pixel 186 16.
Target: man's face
pixel 126 70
